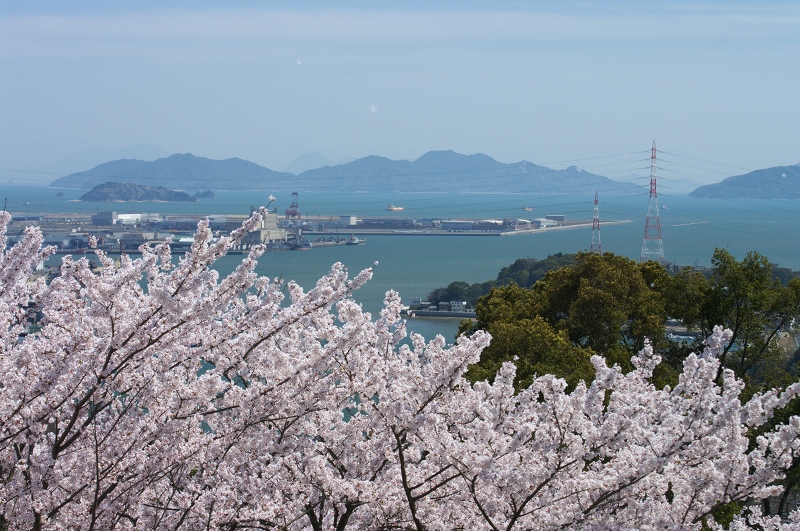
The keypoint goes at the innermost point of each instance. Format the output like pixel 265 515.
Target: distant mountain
pixel 671 185
pixel 309 161
pixel 39 174
pixel 447 171
pixel 88 159
pixel 779 182
pixel 133 192
pixel 183 171
pixel 435 171
pixel 312 161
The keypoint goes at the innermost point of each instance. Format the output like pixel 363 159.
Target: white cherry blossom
pixel 199 402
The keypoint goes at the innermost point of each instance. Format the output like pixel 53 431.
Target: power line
pixel 707 161
pixel 33 171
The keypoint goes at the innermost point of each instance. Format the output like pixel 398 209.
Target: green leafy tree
pixel 523 272
pixel 610 304
pixel 521 336
pixel 455 291
pixel 784 274
pixel 747 298
pixel 602 303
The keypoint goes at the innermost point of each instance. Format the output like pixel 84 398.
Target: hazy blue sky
pixel 269 81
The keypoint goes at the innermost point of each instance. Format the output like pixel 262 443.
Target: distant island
pixel 779 182
pixel 113 191
pixel 182 171
pixel 435 171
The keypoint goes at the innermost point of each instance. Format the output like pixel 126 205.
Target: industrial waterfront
pixel 125 232
pixel 692 228
pixel 414 265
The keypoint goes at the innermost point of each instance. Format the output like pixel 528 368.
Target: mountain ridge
pixel 435 171
pixel 777 182
pixel 444 171
pixel 180 170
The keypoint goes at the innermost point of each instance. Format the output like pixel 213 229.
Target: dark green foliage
pixel 784 274
pixel 524 272
pixel 724 515
pixel 112 191
pixel 747 298
pixel 521 336
pixel 603 302
pixel 610 305
pixel 600 304
pixel 455 291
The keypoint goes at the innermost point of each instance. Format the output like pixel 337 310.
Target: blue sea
pixel 415 265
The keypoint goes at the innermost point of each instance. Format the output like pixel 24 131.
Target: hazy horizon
pixel 539 81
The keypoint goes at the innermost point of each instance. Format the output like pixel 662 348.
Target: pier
pixel 70 232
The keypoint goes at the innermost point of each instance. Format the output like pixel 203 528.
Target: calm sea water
pixel 415 265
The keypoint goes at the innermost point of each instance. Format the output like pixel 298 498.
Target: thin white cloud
pixel 197 31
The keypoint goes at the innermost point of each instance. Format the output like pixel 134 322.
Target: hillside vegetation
pixel 112 191
pixel 779 182
pixel 436 171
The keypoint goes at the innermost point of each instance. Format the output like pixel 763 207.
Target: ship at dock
pixel 355 240
pixel 301 245
pixel 420 308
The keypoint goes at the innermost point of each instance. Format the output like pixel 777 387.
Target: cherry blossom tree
pixel 154 394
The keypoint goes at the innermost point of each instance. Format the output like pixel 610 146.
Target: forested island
pixel 778 182
pixel 114 191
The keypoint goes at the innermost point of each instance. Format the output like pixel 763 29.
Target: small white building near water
pixel 128 219
pixel 453 306
pixel 348 221
pixel 544 222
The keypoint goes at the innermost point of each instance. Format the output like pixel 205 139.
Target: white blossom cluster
pixel 199 402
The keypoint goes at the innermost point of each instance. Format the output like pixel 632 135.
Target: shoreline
pixel 441 232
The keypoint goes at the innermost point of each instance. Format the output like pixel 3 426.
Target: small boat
pixel 392 208
pixel 353 240
pixel 527 209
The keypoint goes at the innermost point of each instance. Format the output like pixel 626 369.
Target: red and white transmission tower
pixel 293 212
pixel 652 244
pixel 596 247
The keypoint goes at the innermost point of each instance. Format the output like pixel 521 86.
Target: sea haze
pixel 435 171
